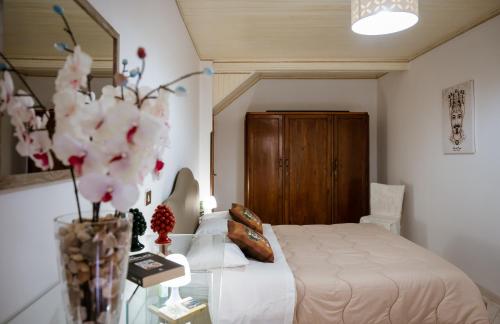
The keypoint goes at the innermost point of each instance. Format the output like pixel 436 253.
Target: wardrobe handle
pixel 335 167
pixel 286 163
pixel 280 162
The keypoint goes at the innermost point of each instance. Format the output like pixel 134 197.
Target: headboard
pixel 185 202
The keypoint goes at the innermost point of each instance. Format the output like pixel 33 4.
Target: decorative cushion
pixel 247 217
pixel 252 244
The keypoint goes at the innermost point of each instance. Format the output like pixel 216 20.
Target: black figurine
pixel 138 229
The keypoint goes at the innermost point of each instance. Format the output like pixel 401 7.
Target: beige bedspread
pixel 361 274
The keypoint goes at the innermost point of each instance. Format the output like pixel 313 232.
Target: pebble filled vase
pixel 93 262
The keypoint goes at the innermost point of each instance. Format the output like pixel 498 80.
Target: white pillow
pixel 213 226
pixel 221 214
pixel 202 256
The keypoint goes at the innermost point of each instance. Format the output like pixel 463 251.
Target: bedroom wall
pixel 27 244
pixel 452 203
pixel 353 95
pixel 204 132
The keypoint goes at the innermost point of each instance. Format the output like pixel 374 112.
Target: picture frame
pixel 458 112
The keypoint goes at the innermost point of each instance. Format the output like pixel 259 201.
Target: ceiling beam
pixel 235 78
pixel 312 66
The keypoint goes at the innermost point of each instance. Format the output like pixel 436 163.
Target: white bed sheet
pixel 260 292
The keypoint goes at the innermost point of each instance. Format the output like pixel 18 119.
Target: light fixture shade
pixel 210 203
pixel 379 17
pixel 180 281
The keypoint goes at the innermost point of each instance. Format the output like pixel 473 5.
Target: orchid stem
pixel 76 195
pixel 89 85
pixel 68 30
pixel 166 85
pixel 95 211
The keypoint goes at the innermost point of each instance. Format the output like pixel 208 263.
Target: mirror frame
pixel 20 181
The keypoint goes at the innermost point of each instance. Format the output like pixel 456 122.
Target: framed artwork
pixel 458 119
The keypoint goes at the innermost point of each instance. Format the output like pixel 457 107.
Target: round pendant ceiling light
pixel 379 17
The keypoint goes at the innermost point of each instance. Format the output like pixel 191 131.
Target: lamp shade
pixel 379 17
pixel 210 203
pixel 181 281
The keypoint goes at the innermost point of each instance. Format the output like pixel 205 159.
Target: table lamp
pixel 210 204
pixel 174 284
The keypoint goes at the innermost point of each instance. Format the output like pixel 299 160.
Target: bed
pixel 343 273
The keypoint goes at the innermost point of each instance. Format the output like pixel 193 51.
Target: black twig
pixel 95 211
pixel 23 80
pixel 76 194
pixel 89 85
pixel 68 30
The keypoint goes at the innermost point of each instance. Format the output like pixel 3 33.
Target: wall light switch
pixel 148 197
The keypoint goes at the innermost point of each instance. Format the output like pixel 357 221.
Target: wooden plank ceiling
pixel 253 39
pixel 318 30
pixel 31 28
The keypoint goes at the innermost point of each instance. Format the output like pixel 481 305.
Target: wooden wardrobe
pixel 307 167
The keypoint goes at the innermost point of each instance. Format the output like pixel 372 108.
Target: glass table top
pixel 205 286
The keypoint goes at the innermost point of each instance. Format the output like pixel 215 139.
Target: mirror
pixel 28 31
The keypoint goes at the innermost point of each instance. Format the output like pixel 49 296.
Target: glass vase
pixel 93 263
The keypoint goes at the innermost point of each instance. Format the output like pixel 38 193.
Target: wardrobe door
pixel 351 167
pixel 308 169
pixel 264 167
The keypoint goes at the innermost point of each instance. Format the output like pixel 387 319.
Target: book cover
pixel 148 269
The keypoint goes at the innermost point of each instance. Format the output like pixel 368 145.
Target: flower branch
pixel 110 143
pixel 23 80
pixel 60 11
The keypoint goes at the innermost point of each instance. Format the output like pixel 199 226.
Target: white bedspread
pixel 260 292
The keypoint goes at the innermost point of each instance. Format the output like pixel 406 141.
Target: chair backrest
pixel 386 200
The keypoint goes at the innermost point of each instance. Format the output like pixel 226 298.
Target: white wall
pixel 353 95
pixel 27 241
pixel 205 130
pixel 452 203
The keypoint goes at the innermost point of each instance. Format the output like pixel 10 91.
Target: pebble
pixel 83 267
pixel 83 235
pixel 83 277
pixel 87 248
pixel 76 257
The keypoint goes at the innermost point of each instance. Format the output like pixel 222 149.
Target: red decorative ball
pixel 141 52
pixel 162 222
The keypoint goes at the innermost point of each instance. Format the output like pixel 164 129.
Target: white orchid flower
pixel 74 73
pixel 37 146
pixel 158 107
pixel 67 103
pixel 119 120
pixel 113 95
pixel 6 91
pixel 42 145
pixel 147 132
pixel 103 188
pixel 19 109
pixel 83 156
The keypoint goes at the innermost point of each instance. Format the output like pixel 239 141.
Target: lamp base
pixel 174 298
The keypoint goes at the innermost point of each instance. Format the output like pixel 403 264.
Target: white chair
pixel 386 204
